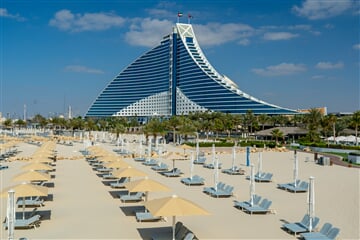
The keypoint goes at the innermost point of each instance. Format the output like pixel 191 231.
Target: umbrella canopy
pixel 174 206
pixel 145 185
pixel 128 172
pixel 296 168
pixel 311 203
pixel 37 166
pixel 252 185
pixel 175 156
pixel 26 190
pixel 186 147
pixel 41 159
pixel 116 164
pixel 32 176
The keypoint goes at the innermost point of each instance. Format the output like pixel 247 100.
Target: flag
pixel 180 14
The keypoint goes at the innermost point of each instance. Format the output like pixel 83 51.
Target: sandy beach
pixel 81 204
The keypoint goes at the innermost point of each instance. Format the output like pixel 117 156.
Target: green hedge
pixel 325 145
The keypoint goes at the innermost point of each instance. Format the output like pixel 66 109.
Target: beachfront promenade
pixel 83 206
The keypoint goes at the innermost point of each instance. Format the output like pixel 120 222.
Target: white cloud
pixel 82 69
pixel 274 36
pixel 5 14
pixel 244 42
pixel 147 32
pixel 216 33
pixel 281 69
pixel 356 46
pixel 317 77
pixel 67 21
pixel 320 9
pixel 329 65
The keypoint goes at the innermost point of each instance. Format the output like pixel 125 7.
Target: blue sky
pixel 296 54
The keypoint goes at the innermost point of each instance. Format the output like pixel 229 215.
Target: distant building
pixel 175 78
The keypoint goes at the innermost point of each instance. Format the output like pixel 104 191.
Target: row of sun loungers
pixel 194 180
pixel 222 190
pixel 181 233
pixel 302 226
pixel 300 186
pixel 258 207
pixel 327 232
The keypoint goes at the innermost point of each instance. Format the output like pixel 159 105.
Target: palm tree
pixel 355 122
pixel 8 123
pixel 326 126
pixel 276 133
pixel 263 119
pixel 312 120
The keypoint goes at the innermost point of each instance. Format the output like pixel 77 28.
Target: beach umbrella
pixel 186 147
pixel 37 166
pixel 213 153
pixel 145 185
pixel 197 149
pixel 174 206
pixel 116 164
pixel 10 214
pixel 175 156
pixel 41 159
pixel 32 176
pixel 233 157
pixel 260 163
pixel 248 156
pixel 191 165
pixel 296 168
pixel 128 172
pixel 252 185
pixel 26 190
pixel 311 202
pixel 216 173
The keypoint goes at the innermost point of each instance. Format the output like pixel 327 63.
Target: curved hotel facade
pixel 175 78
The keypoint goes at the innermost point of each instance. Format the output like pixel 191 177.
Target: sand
pixel 83 206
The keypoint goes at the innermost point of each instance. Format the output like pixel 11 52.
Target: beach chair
pixel 120 183
pixel 3 167
pixel 302 187
pixel 151 162
pixel 262 208
pixel 210 190
pixel 195 180
pixel 200 160
pixel 30 202
pixel 160 167
pixel 31 222
pixel 286 185
pixel 140 159
pixel 245 204
pixel 321 234
pixel 137 197
pixel 172 173
pixel 146 217
pixel 212 166
pixel 266 177
pixel 330 235
pixel 301 227
pixel 234 171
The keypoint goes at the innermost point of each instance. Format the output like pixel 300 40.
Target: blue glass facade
pixel 175 78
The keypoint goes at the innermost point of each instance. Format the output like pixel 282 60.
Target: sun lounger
pixel 31 222
pixel 38 202
pixel 262 208
pixel 181 233
pixel 212 166
pixel 222 190
pixel 160 167
pixel 301 227
pixel 3 167
pixel 151 162
pixel 330 235
pixel 300 186
pixel 245 204
pixel 172 173
pixel 321 234
pixel 108 176
pixel 285 185
pixel 103 170
pixel 200 160
pixel 140 159
pixel 137 197
pixel 234 171
pixel 195 180
pixel 146 217
pixel 120 183
pixel 264 178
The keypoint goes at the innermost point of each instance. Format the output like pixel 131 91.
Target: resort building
pixel 175 78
